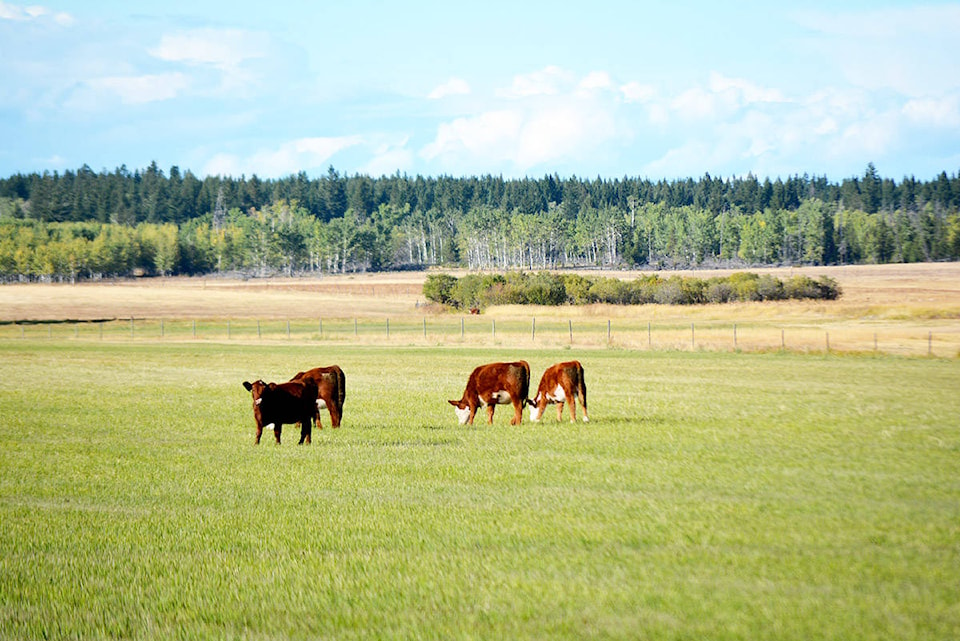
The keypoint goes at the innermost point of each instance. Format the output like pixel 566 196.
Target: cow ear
pixel 454 403
pixel 247 386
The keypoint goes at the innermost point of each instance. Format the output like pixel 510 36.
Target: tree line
pixel 85 224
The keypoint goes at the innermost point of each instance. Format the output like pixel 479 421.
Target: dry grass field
pixel 906 309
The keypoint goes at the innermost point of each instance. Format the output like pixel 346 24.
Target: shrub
pixel 438 288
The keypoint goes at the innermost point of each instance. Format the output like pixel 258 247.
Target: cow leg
pixel 473 412
pixel 559 411
pixel 305 431
pixel 276 432
pixel 517 412
pixel 259 432
pixel 573 409
pixel 335 413
pixel 490 408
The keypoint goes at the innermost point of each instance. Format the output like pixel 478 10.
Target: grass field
pixel 712 496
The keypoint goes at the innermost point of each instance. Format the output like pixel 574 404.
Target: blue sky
pixel 667 89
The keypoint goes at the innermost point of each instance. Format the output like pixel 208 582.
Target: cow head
pixel 462 410
pixel 259 390
pixel 536 411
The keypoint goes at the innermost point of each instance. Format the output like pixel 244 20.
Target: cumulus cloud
pixel 936 112
pixel 18 13
pixel 549 81
pixel 288 158
pixel 452 87
pixel 546 118
pixel 635 92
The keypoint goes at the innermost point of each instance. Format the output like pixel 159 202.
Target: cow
pixel 278 403
pixel 561 383
pixel 331 391
pixel 491 385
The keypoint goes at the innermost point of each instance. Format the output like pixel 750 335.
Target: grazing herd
pixel 299 400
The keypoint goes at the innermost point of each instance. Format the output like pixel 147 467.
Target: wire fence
pixel 620 333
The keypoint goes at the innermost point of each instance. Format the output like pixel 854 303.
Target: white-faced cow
pixel 331 391
pixel 561 383
pixel 491 385
pixel 277 403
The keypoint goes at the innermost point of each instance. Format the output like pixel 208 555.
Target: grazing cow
pixel 475 310
pixel 331 391
pixel 278 403
pixel 493 384
pixel 561 383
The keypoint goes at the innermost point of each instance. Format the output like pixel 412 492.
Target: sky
pixel 660 90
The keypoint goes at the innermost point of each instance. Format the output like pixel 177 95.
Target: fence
pixel 620 333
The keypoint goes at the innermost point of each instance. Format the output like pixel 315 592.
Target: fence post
pixel 533 332
pixel 321 327
pixel 355 327
pixel 608 331
pixel 494 325
pixel 388 328
pixel 828 342
pixel 258 328
pixel 570 323
pixel 424 326
pixel 693 337
pixel 930 344
pixel 288 329
pixel 783 340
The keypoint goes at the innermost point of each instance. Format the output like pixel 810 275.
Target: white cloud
pixel 550 119
pixel 452 87
pixel 34 12
pixel 226 50
pixel 934 112
pixel 389 159
pixel 136 90
pixel 549 81
pixel 489 135
pixel 595 81
pixel 636 92
pixel 289 158
pixel 743 91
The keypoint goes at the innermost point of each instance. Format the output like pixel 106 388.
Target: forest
pixel 88 225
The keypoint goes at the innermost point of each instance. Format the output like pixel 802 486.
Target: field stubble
pixel 896 309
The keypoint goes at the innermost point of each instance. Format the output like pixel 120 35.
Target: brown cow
pixel 278 403
pixel 561 383
pixel 331 391
pixel 493 384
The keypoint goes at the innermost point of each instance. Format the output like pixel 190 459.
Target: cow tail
pixel 341 387
pixel 525 388
pixel 582 387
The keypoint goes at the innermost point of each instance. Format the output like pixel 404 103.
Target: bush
pixel 519 288
pixel 438 288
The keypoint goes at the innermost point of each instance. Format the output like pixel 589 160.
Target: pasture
pixel 713 495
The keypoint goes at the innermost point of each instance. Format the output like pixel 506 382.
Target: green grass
pixel 712 496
